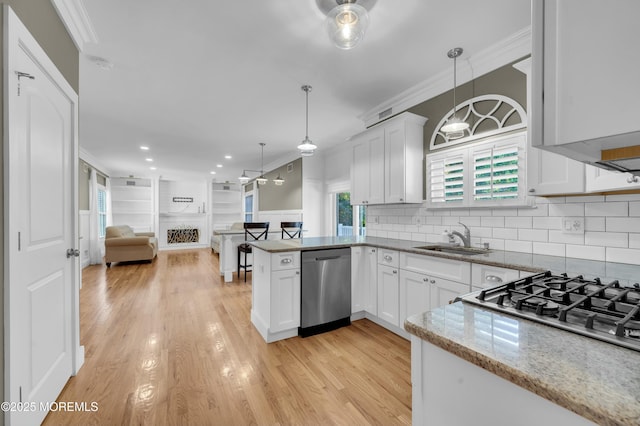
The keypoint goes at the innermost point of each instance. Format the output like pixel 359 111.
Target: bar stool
pixel 291 229
pixel 253 231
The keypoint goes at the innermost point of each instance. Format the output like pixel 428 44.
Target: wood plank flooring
pixel 169 343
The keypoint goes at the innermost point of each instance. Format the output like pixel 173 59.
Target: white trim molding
pixel 514 113
pixel 76 20
pixel 517 46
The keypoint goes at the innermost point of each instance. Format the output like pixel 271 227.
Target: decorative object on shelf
pixel 455 127
pixel 504 115
pixel 307 147
pixel 260 179
pixel 183 199
pixel 347 20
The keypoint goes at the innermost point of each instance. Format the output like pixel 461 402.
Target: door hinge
pixel 21 74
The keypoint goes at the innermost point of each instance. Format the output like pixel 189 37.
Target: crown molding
pixel 75 18
pixel 93 161
pixel 507 50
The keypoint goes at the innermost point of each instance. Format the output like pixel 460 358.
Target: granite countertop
pixel 627 274
pixel 597 380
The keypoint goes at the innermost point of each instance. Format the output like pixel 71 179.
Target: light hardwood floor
pixel 170 343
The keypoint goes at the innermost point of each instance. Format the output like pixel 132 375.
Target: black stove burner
pixel 535 304
pixel 605 311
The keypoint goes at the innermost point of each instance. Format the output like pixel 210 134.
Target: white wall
pixel 313 196
pixel 612 226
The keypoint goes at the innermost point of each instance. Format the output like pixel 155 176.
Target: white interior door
pixel 41 281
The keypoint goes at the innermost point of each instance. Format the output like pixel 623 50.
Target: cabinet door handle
pixel 286 260
pixel 632 179
pixel 492 279
pixel 532 190
pixel 297 272
pixel 425 279
pixel 432 281
pixel 388 258
pixel 401 199
pixel 395 272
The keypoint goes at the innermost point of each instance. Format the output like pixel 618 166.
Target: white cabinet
pixel 275 295
pixel 132 203
pixel 364 280
pixel 600 180
pixel 483 276
pixel 387 162
pixel 415 294
pixel 226 205
pixel 444 291
pixel 388 294
pixel 549 173
pixel 585 76
pixel 367 165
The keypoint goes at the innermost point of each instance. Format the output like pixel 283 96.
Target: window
pixel 483 174
pixel 350 220
pixel 248 208
pixel 102 211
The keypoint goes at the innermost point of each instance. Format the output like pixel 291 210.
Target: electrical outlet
pixel 573 225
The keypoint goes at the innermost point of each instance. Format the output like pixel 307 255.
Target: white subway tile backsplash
pixel 634 241
pixel 594 224
pixel 622 197
pixel 404 236
pixel 482 232
pixel 392 234
pixel 518 222
pixel 569 209
pixel 547 222
pixel 471 221
pixel 493 222
pixel 451 220
pixel 586 199
pixel 442 212
pixel 634 209
pixel 620 208
pixel 505 212
pixel 494 243
pixel 622 255
pixel 519 246
pixel 586 252
pixel 541 235
pixel 549 249
pixel 623 224
pixel 560 237
pixel 539 210
pixel 550 200
pixel 606 239
pixel 435 220
pixel 506 233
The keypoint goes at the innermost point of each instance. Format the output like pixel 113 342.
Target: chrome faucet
pixel 466 238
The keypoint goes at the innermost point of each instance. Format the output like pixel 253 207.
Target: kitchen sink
pixel 467 251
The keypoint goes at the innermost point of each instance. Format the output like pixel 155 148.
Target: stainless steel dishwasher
pixel 325 293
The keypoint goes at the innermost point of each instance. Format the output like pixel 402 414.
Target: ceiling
pixel 210 78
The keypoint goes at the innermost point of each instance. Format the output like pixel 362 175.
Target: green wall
pixel 43 22
pixel 285 197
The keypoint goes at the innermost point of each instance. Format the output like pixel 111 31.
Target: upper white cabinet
pixel 367 164
pixel 600 180
pixel 585 76
pixel 485 174
pixel 387 162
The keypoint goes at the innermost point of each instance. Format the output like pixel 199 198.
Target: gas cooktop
pixel 604 311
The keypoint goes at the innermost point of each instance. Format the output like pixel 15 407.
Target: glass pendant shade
pixel 346 25
pixel 261 180
pixel 455 125
pixel 243 178
pixel 307 146
pixel 278 181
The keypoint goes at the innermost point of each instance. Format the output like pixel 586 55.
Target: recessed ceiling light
pixel 149 159
pixel 218 165
pixel 228 157
pixel 152 168
pixel 213 173
pixel 144 148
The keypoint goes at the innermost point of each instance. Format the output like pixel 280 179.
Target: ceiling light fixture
pixel 260 179
pixel 278 181
pixel 144 148
pixel 307 147
pixel 347 20
pixel 454 127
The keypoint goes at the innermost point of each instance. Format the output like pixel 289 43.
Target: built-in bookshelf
pixel 226 205
pixel 132 203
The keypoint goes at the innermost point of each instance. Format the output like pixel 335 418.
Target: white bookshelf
pixel 132 203
pixel 226 205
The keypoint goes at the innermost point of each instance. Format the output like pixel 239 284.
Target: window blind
pixel 495 173
pixel 447 179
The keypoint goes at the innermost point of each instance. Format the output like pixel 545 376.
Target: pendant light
pixel 454 127
pixel 261 179
pixel 278 181
pixel 307 147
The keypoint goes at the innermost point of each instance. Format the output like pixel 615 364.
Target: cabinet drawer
pixel 483 276
pixel 285 260
pixel 454 270
pixel 388 257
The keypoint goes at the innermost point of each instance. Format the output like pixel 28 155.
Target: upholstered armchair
pixel 124 245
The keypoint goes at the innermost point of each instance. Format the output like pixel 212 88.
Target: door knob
pixel 73 253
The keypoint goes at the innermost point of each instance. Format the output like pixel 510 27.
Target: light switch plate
pixel 573 225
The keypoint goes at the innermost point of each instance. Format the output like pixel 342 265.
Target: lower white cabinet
pixel 364 280
pixel 388 294
pixel 275 295
pixel 415 294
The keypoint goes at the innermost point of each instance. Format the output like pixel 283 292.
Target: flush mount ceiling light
pixel 307 147
pixel 347 20
pixel 454 127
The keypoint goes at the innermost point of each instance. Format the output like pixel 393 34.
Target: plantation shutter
pixel 496 173
pixel 446 178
